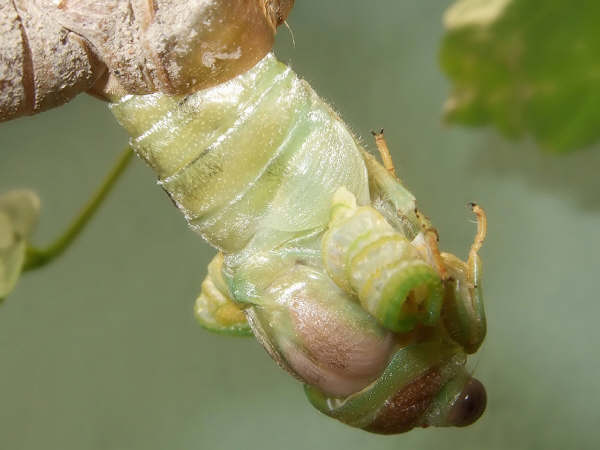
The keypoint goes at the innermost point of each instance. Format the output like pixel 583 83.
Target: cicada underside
pixel 323 255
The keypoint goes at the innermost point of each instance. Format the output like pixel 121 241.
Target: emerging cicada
pixel 323 254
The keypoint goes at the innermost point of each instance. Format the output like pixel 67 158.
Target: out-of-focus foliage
pixel 527 67
pixel 19 212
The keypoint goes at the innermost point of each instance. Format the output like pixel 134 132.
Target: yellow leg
pixel 473 261
pixel 463 311
pixel 384 151
pixel 430 233
pixel 432 239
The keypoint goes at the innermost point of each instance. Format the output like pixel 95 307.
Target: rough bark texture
pixel 53 49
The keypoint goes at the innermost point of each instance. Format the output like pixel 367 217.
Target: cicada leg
pixel 474 262
pixel 384 152
pixel 463 311
pixel 430 237
pixel 214 308
pixel 391 190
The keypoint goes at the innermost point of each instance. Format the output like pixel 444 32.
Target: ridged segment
pixel 365 256
pixel 236 158
pixel 337 245
pixel 232 224
pixel 385 248
pixel 225 167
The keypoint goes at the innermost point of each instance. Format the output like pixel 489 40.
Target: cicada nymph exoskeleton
pixel 51 50
pixel 323 255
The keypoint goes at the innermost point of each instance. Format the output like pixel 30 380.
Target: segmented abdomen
pixel 366 256
pixel 261 153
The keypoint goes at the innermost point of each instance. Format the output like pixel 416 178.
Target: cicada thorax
pixel 311 328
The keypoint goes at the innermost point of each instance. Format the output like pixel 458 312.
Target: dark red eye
pixel 470 404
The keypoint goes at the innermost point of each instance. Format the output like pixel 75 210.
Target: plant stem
pixel 38 257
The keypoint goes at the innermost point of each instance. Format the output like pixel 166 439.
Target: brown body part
pixel 404 410
pixel 52 50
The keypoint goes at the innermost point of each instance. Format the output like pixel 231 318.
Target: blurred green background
pixel 100 349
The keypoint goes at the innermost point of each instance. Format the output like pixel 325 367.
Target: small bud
pixel 19 212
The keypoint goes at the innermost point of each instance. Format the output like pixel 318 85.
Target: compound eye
pixel 470 404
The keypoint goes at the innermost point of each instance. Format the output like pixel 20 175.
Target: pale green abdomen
pixel 260 154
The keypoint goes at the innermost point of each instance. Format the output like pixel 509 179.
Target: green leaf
pixel 19 212
pixel 527 67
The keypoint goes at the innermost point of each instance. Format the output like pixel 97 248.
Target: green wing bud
pixel 214 309
pixel 366 256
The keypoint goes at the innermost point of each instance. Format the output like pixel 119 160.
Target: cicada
pixel 323 254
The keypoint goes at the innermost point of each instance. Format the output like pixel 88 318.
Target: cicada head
pixel 421 386
pixel 355 370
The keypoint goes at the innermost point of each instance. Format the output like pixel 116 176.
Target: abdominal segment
pixel 261 151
